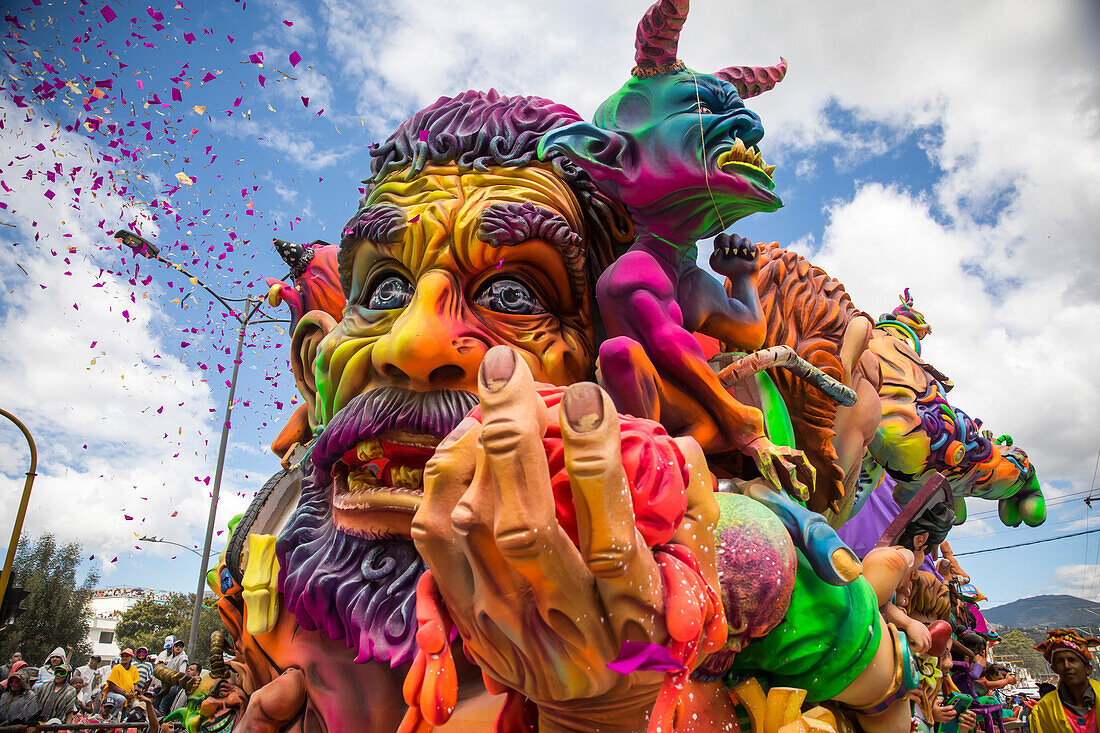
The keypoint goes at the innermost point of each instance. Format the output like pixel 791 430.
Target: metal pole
pixel 197 610
pixel 22 513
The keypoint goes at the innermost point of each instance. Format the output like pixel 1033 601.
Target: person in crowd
pixel 179 700
pixel 6 670
pixel 1071 707
pixel 57 698
pixel 122 683
pixel 94 674
pixel 169 642
pixel 175 658
pixel 18 704
pixel 144 664
pixel 15 667
pixel 45 672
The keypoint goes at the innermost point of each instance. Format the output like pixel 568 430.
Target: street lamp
pixel 162 541
pixel 147 249
pixel 22 513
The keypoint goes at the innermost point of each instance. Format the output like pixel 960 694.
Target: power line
pixel 1024 544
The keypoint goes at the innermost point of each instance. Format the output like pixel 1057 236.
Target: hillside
pixel 1045 612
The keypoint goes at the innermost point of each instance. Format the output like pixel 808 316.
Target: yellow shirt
pixel 1048 715
pixel 126 679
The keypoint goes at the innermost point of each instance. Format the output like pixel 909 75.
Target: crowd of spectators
pixel 125 690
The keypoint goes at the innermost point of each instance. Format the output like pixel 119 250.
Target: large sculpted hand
pixel 542 599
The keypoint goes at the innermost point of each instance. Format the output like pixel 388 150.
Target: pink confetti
pixel 288 23
pixel 305 101
pixel 208 77
pixel 108 16
pixel 262 80
pixel 257 58
pixel 295 58
pixel 423 136
pixel 128 517
pixel 189 37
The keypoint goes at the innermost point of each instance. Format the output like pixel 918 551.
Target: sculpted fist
pixel 555 532
pixel 734 256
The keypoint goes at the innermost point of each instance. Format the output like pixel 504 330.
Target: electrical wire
pixel 1025 544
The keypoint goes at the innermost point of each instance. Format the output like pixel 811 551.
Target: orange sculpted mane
pixel 809 311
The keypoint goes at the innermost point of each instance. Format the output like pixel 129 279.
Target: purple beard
pixel 358 589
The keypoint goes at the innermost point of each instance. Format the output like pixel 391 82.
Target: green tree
pixel 1018 648
pixel 148 621
pixel 57 613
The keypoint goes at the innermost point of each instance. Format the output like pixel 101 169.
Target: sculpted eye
pixel 702 109
pixel 392 292
pixel 508 296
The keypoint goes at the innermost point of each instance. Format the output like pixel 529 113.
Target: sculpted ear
pixel 605 155
pixel 308 333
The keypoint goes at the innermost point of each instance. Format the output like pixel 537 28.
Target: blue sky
pixel 952 150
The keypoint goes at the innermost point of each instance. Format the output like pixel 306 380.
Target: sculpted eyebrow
pixel 505 224
pixel 512 223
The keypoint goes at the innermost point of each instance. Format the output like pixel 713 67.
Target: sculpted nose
pixel 430 345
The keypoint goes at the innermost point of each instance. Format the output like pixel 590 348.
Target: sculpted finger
pixel 446 478
pixel 606 529
pixel 525 525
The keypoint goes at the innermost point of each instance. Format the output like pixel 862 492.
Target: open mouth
pixel 383 472
pixel 746 160
pixel 219 723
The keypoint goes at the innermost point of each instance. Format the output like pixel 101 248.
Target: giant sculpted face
pixel 439 269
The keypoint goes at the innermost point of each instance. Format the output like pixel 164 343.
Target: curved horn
pixel 218 669
pixel 172 678
pixel 753 80
pixel 657 38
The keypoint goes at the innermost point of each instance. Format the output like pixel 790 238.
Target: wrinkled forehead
pixel 441 213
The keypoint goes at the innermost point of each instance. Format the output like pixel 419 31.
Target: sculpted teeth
pixel 740 154
pixel 406 478
pixel 362 479
pixel 369 450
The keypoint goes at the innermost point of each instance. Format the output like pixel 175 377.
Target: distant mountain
pixel 1045 612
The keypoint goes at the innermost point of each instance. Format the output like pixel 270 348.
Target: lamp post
pixel 22 513
pixel 161 541
pixel 147 249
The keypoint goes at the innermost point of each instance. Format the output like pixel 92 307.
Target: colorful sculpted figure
pixel 316 303
pixel 921 433
pixel 678 147
pixel 477 534
pixel 901 423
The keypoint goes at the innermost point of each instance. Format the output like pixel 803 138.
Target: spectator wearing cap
pixel 144 664
pixel 122 683
pixel 57 698
pixel 175 659
pixel 94 674
pixel 1071 707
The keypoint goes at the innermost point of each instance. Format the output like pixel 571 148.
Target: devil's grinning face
pixel 425 303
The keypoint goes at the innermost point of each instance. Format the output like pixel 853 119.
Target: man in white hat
pixel 175 658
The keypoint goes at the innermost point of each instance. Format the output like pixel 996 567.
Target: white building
pixel 106 606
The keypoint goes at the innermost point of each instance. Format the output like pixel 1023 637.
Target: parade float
pixel 550 474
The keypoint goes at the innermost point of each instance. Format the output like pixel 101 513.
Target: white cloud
pixel 143 414
pixel 1080 580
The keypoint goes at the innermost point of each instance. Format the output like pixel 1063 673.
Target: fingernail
pixel 583 405
pixel 497 368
